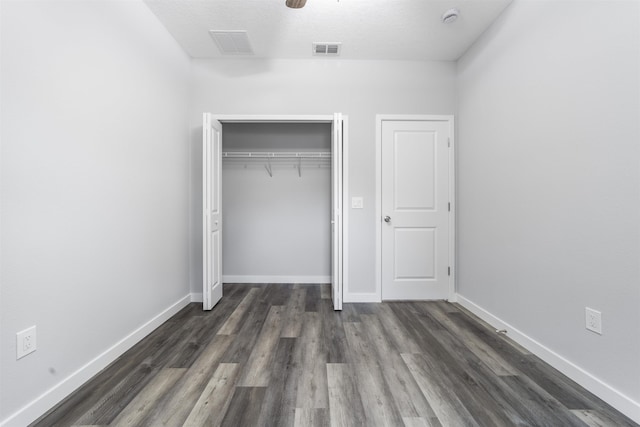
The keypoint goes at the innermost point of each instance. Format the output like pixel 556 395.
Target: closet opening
pixel 273 202
pixel 276 202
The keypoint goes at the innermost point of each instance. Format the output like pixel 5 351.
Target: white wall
pixel 95 208
pixel 549 183
pixel 360 89
pixel 277 229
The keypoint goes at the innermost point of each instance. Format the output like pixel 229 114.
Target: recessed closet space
pixel 276 202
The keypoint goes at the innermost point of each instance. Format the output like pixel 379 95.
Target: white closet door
pixel 212 218
pixel 415 209
pixel 336 212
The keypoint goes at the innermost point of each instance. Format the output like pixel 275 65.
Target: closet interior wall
pixel 276 212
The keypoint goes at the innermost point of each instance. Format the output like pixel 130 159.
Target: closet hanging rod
pixel 277 154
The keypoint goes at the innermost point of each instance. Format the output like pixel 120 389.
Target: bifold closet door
pixel 211 208
pixel 336 212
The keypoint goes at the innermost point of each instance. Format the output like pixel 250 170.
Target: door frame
pixel 311 118
pixel 452 295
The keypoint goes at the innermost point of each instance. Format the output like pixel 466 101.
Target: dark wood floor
pixel 278 355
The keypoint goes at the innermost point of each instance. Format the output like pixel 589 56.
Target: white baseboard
pixel 38 407
pixel 350 297
pixel 613 397
pixel 276 279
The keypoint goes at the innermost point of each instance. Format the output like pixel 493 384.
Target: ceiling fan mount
pixel 296 4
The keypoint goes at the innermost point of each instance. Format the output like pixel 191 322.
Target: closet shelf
pixel 277 154
pixel 268 156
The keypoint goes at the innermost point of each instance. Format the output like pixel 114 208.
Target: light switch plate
pixel 357 203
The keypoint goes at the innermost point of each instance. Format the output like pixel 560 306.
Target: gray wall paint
pixel 549 185
pixel 277 136
pixel 95 164
pixel 360 89
pixel 276 226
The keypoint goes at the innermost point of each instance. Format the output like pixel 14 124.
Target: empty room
pixel 319 213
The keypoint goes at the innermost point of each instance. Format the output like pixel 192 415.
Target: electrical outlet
pixel 593 320
pixel 26 342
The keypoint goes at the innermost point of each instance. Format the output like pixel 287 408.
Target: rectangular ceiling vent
pixel 233 42
pixel 326 49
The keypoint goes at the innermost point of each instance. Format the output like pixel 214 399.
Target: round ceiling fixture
pixel 450 15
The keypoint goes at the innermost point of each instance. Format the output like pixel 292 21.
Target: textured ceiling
pixel 368 29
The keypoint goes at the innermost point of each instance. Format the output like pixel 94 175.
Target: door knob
pixel 387 218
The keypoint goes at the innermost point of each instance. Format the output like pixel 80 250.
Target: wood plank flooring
pixel 278 355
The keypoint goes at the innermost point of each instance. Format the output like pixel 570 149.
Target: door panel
pixel 415 199
pixel 415 253
pixel 336 213
pixel 414 159
pixel 212 217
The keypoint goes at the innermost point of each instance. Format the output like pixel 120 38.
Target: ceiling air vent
pixel 232 42
pixel 326 49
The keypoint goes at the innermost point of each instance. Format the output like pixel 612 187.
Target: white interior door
pixel 415 209
pixel 212 218
pixel 336 212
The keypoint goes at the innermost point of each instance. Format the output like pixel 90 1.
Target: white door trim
pixel 312 118
pixel 378 194
pixel 274 118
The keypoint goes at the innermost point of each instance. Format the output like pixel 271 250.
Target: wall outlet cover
pixel 25 342
pixel 593 320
